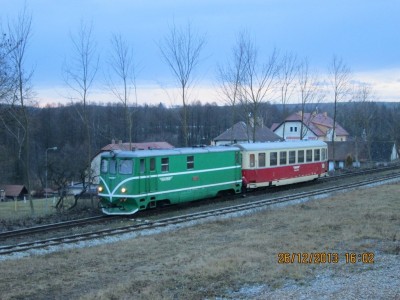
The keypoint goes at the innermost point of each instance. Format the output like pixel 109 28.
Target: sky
pixel 363 33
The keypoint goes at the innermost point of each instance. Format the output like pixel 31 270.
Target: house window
pixel 190 162
pixel 283 158
pixel 292 157
pixel 164 164
pixel 300 156
pixel 273 158
pixel 261 160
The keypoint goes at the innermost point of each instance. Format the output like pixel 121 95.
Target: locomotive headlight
pixel 100 189
pixel 123 190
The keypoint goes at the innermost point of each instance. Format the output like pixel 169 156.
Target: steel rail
pixel 157 224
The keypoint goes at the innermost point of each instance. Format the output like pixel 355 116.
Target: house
pixel 355 154
pixel 13 192
pixel 316 126
pixel 95 164
pixel 242 133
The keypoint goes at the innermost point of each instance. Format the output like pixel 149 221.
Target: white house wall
pixel 292 132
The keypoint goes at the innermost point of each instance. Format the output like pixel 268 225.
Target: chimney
pixel 113 141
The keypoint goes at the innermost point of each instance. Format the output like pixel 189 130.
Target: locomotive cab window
pixel 164 164
pixel 273 158
pixel 190 162
pixel 104 166
pixel 309 155
pixel 261 159
pixel 125 166
pixel 112 167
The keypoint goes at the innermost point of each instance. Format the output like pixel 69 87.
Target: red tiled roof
pixel 14 190
pixel 318 123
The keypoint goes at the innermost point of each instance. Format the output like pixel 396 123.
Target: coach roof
pixel 281 145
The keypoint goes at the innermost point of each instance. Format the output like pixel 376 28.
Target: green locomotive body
pixel 137 180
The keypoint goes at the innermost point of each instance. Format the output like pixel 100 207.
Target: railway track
pixel 172 221
pixel 53 226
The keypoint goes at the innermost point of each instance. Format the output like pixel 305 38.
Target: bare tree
pixel 340 81
pixel 309 92
pixel 122 65
pixel 364 116
pixel 287 75
pixel 79 76
pixel 16 120
pixel 231 76
pixel 259 81
pixel 181 50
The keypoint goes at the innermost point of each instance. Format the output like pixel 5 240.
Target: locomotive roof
pixel 174 151
pixel 281 145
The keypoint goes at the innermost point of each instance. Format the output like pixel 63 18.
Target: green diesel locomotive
pixel 137 180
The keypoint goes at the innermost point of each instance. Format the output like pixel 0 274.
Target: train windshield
pixel 108 166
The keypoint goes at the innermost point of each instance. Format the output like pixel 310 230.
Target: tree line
pixel 251 83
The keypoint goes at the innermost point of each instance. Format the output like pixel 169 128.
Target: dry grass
pixel 214 259
pixel 12 210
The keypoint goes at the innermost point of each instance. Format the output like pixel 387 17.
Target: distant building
pixel 355 154
pixel 95 165
pixel 13 192
pixel 316 126
pixel 242 133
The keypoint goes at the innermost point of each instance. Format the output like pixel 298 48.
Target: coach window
pixel 300 156
pixel 125 166
pixel 309 155
pixel 292 157
pixel 317 156
pixel 164 164
pixel 252 160
pixel 190 162
pixel 273 158
pixel 283 158
pixel 152 164
pixel 323 154
pixel 261 160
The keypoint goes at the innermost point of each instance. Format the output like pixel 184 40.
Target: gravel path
pixel 381 282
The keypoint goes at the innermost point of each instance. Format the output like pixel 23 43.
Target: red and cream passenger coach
pixel 280 163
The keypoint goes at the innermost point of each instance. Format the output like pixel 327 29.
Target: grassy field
pixel 215 259
pixel 11 210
